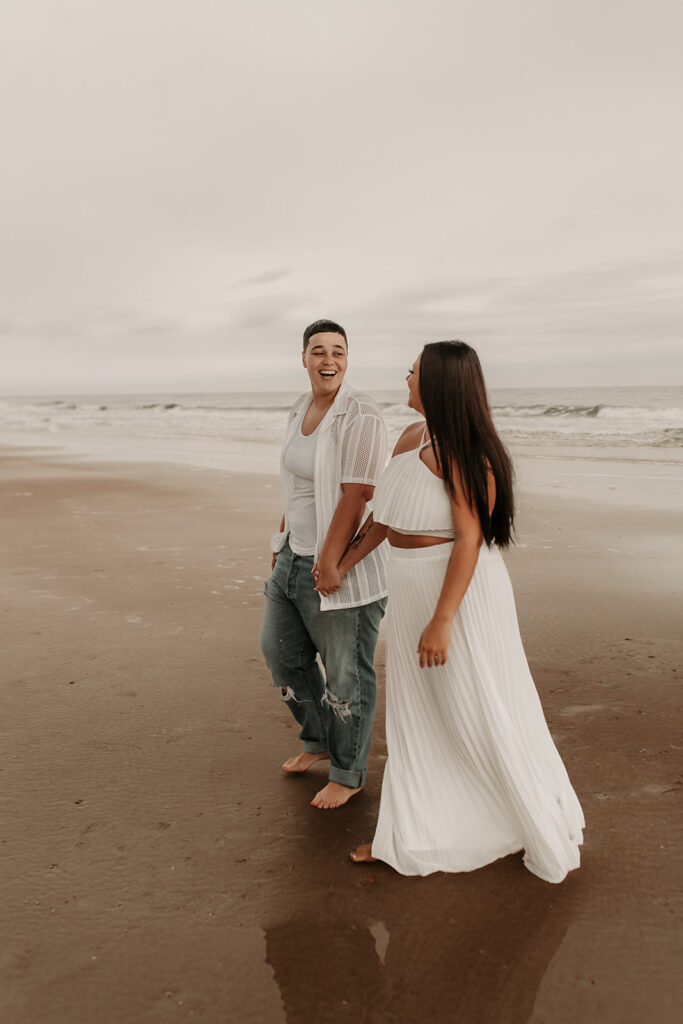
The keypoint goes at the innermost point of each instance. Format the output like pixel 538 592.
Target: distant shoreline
pixel 606 422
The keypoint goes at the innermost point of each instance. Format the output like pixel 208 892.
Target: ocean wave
pixel 640 413
pixel 262 417
pixel 671 438
pixel 572 410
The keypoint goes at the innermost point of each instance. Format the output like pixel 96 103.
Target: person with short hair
pixel 472 772
pixel 334 450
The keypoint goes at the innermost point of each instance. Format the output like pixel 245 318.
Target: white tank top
pixel 409 498
pixel 299 460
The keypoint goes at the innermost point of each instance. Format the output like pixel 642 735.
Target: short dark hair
pixel 322 327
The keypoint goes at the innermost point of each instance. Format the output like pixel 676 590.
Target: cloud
pixel 610 319
pixel 622 298
pixel 267 277
pixel 196 187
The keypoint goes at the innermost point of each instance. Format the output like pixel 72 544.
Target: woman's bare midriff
pixel 415 540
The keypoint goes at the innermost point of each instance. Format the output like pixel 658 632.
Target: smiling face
pixel 325 357
pixel 413 381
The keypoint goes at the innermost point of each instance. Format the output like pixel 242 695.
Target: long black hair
pixel 463 436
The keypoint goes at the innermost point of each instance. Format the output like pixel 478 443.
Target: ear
pixel 303 359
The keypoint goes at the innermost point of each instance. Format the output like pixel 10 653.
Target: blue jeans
pixel 335 711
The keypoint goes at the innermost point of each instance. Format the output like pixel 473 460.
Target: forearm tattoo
pixel 361 535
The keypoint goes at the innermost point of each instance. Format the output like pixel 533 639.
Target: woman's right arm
pixel 370 536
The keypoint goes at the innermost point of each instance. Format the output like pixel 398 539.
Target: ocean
pixel 650 416
pixel 619 442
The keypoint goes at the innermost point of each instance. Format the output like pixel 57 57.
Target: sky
pixel 185 185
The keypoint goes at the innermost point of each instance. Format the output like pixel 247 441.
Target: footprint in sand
pixel 657 789
pixel 581 709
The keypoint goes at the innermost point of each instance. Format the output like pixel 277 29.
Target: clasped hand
pixel 434 639
pixel 328 579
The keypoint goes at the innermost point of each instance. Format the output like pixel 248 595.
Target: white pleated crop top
pixel 409 498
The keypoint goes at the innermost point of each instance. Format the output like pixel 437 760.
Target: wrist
pixel 442 619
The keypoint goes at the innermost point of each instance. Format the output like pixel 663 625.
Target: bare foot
pixel 333 795
pixel 363 854
pixel 297 765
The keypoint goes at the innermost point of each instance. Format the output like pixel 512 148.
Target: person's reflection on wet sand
pixel 327 971
pixel 470 949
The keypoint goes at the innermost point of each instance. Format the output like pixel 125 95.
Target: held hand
pixel 327 579
pixel 433 645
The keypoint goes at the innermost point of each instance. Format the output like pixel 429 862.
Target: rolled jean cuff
pixel 347 778
pixel 313 747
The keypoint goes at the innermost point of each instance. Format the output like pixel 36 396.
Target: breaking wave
pixel 620 416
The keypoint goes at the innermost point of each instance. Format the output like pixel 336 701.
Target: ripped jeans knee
pixel 340 708
pixel 288 694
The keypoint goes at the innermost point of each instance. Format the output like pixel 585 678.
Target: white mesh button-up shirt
pixel 351 449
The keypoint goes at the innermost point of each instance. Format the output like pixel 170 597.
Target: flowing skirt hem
pixel 414 862
pixel 473 774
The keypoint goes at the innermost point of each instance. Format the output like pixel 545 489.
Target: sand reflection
pixel 469 949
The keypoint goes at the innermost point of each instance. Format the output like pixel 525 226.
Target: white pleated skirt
pixel 472 773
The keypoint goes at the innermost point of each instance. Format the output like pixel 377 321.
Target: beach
pixel 156 863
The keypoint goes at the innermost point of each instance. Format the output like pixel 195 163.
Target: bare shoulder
pixel 429 458
pixel 410 438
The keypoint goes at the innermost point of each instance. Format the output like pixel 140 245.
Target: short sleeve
pixel 364 445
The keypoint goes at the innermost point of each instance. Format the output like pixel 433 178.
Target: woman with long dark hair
pixel 472 772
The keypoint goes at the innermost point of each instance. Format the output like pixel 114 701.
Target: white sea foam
pixel 253 424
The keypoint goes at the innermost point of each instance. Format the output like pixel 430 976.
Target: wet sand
pixel 156 865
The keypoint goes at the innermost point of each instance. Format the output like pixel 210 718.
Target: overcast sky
pixel 186 183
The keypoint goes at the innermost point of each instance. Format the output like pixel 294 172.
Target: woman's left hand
pixel 328 579
pixel 434 641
